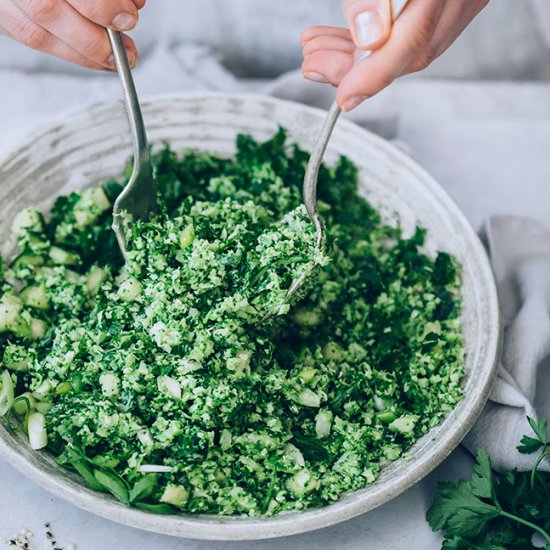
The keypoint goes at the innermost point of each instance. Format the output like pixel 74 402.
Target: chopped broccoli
pixel 159 381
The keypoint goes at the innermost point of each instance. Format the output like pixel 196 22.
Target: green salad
pixel 159 380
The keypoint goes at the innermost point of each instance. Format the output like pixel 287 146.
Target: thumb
pixel 369 22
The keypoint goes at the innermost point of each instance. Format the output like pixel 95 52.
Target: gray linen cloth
pixel 520 256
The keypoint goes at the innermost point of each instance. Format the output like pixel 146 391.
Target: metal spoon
pixel 139 196
pixel 316 157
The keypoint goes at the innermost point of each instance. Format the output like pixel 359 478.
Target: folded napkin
pixel 519 249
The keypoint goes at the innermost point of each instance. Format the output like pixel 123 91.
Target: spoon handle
pixel 312 170
pixel 135 118
pixel 316 158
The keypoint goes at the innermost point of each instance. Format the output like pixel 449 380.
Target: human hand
pixel 424 30
pixel 73 30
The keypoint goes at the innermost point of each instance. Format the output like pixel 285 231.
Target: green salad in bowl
pixel 158 380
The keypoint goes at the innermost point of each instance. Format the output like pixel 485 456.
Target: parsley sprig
pixel 529 445
pixel 497 512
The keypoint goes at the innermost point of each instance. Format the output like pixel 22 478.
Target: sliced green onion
pixel 175 495
pixel 129 290
pixel 23 404
pixel 323 422
pixel 35 296
pixel 309 398
pixel 154 469
pixel 95 278
pixel 169 385
pixel 6 393
pixel 38 329
pixel 38 437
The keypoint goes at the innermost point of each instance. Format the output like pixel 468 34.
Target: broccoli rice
pixel 158 380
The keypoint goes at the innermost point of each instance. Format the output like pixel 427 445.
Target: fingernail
pixel 368 28
pixel 124 21
pixel 132 58
pixel 316 77
pixel 352 102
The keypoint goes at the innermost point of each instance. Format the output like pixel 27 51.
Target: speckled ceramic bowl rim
pixel 288 523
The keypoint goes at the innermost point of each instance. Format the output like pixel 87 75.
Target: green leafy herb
pixel 311 447
pixel 143 488
pixel 161 509
pixel 496 512
pixel 88 475
pixel 529 445
pixel 113 484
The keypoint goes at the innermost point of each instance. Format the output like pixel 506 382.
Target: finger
pixel 121 15
pixel 327 40
pixel 139 3
pixel 410 37
pixel 327 66
pixel 131 50
pixel 369 22
pixel 314 32
pixel 455 18
pixel 62 51
pixel 329 43
pixel 85 37
pixel 18 26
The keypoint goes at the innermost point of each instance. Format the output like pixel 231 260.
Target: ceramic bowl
pixel 95 145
